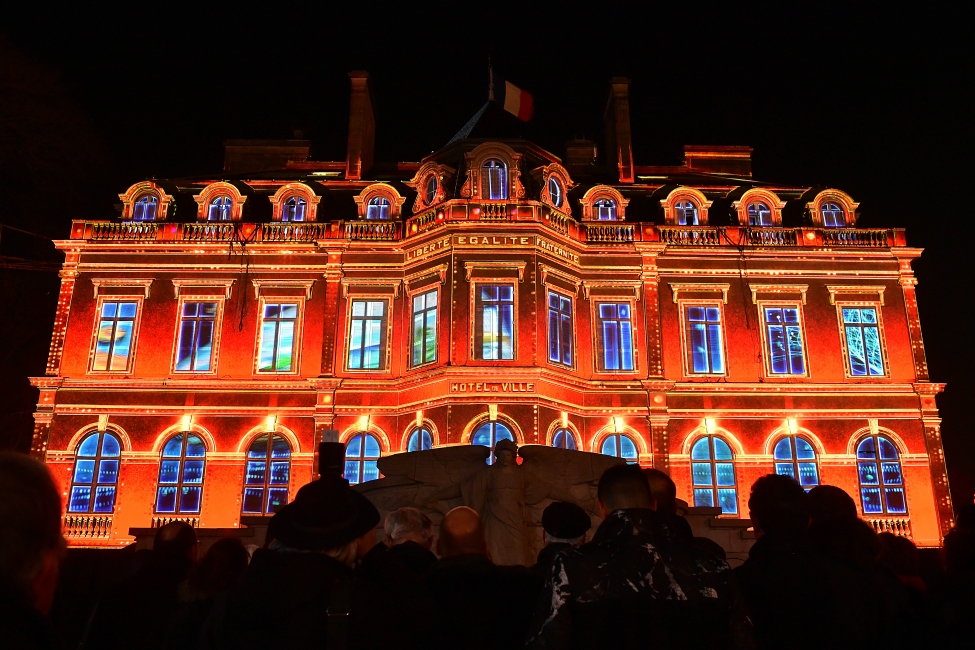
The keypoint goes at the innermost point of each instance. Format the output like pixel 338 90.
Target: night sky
pixel 870 100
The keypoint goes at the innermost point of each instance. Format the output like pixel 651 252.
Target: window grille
pixel 419 440
pixel 378 208
pixel 144 208
pixel 367 335
pixel 713 475
pixel 267 475
pixel 605 210
pixel 615 340
pixel 489 434
pixel 294 209
pixel 686 213
pixel 278 330
pixel 181 474
pixel 563 439
pixel 219 209
pixel 95 475
pixel 833 215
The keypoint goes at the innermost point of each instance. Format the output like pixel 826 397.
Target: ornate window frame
pixel 561 175
pixel 183 298
pixel 135 192
pixel 288 190
pixel 598 192
pixel 608 431
pixel 426 425
pixel 556 426
pixel 766 349
pixel 680 194
pixel 220 188
pixel 475 158
pixel 844 345
pixel 418 184
pixel 139 299
pixel 682 307
pixel 384 190
pixel 839 197
pixel 385 366
pixel 768 197
pixel 277 298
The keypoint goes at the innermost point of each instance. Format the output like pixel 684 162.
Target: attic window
pixel 144 208
pixel 494 180
pixel 430 189
pixel 759 214
pixel 555 191
pixel 833 215
pixel 294 209
pixel 220 208
pixel 605 210
pixel 686 213
pixel 378 208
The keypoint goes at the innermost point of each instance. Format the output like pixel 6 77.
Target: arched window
pixel 419 440
pixel 489 434
pixel 833 215
pixel 144 208
pixel 267 476
pixel 796 458
pixel 361 455
pixel 759 214
pixel 686 213
pixel 555 191
pixel 713 471
pixel 219 209
pixel 430 189
pixel 881 488
pixel 294 209
pixel 95 474
pixel 494 180
pixel 605 210
pixel 621 446
pixel 378 208
pixel 563 439
pixel 180 488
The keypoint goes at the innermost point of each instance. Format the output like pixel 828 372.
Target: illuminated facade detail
pixel 713 472
pixel 145 201
pixel 602 323
pixel 267 475
pixel 94 479
pixel 759 207
pixel 145 208
pixel 220 201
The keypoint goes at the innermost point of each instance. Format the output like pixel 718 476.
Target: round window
pixel 555 191
pixel 430 189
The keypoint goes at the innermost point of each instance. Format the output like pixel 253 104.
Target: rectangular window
pixel 367 335
pixel 864 353
pixel 197 329
pixel 559 328
pixel 494 329
pixel 116 326
pixel 278 328
pixel 783 330
pixel 615 336
pixel 424 328
pixel 704 347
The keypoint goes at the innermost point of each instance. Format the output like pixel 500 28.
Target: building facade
pixel 687 317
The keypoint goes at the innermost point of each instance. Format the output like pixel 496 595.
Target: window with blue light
pixel 783 330
pixel 267 475
pixel 95 475
pixel 377 208
pixel 604 210
pixel 430 189
pixel 116 328
pixel 294 209
pixel 361 458
pixel 759 214
pixel 424 328
pixel 555 191
pixel 180 487
pixel 713 475
pixel 704 340
pixel 615 340
pixel 144 208
pixel 367 335
pixel 419 440
pixel 494 335
pixel 795 457
pixel 197 328
pixel 489 434
pixel 833 215
pixel 559 328
pixel 220 209
pixel 277 347
pixel 563 439
pixel 881 479
pixel 494 180
pixel 864 352
pixel 620 445
pixel 686 213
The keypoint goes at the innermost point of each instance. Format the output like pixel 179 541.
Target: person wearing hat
pixel 565 525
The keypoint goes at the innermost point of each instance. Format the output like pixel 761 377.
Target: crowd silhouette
pixel 817 576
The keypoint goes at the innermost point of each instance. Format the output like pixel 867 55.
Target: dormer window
pixel 759 214
pixel 294 209
pixel 378 208
pixel 686 213
pixel 494 180
pixel 605 210
pixel 430 189
pixel 219 209
pixel 555 191
pixel 144 208
pixel 833 215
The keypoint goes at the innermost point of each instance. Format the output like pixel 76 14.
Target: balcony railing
pixel 690 235
pixel 372 230
pixel 558 222
pixel 159 522
pixel 126 231
pixel 771 236
pixel 878 238
pixel 207 231
pixel 900 526
pixel 87 526
pixel 622 233
pixel 294 232
pixel 421 223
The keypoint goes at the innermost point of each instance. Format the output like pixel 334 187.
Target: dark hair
pixel 828 504
pixel 899 555
pixel 624 486
pixel 663 489
pixel 779 506
pixel 176 539
pixel 31 514
pixel 220 569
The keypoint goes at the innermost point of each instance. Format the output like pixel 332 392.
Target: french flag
pixel 513 99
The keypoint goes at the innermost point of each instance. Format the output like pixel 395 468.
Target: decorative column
pixel 651 307
pixel 333 293
pixel 659 419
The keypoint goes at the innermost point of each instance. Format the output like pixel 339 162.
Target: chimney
pixel 733 161
pixel 619 148
pixel 579 153
pixel 362 127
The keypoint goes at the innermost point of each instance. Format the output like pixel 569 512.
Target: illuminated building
pixel 685 317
